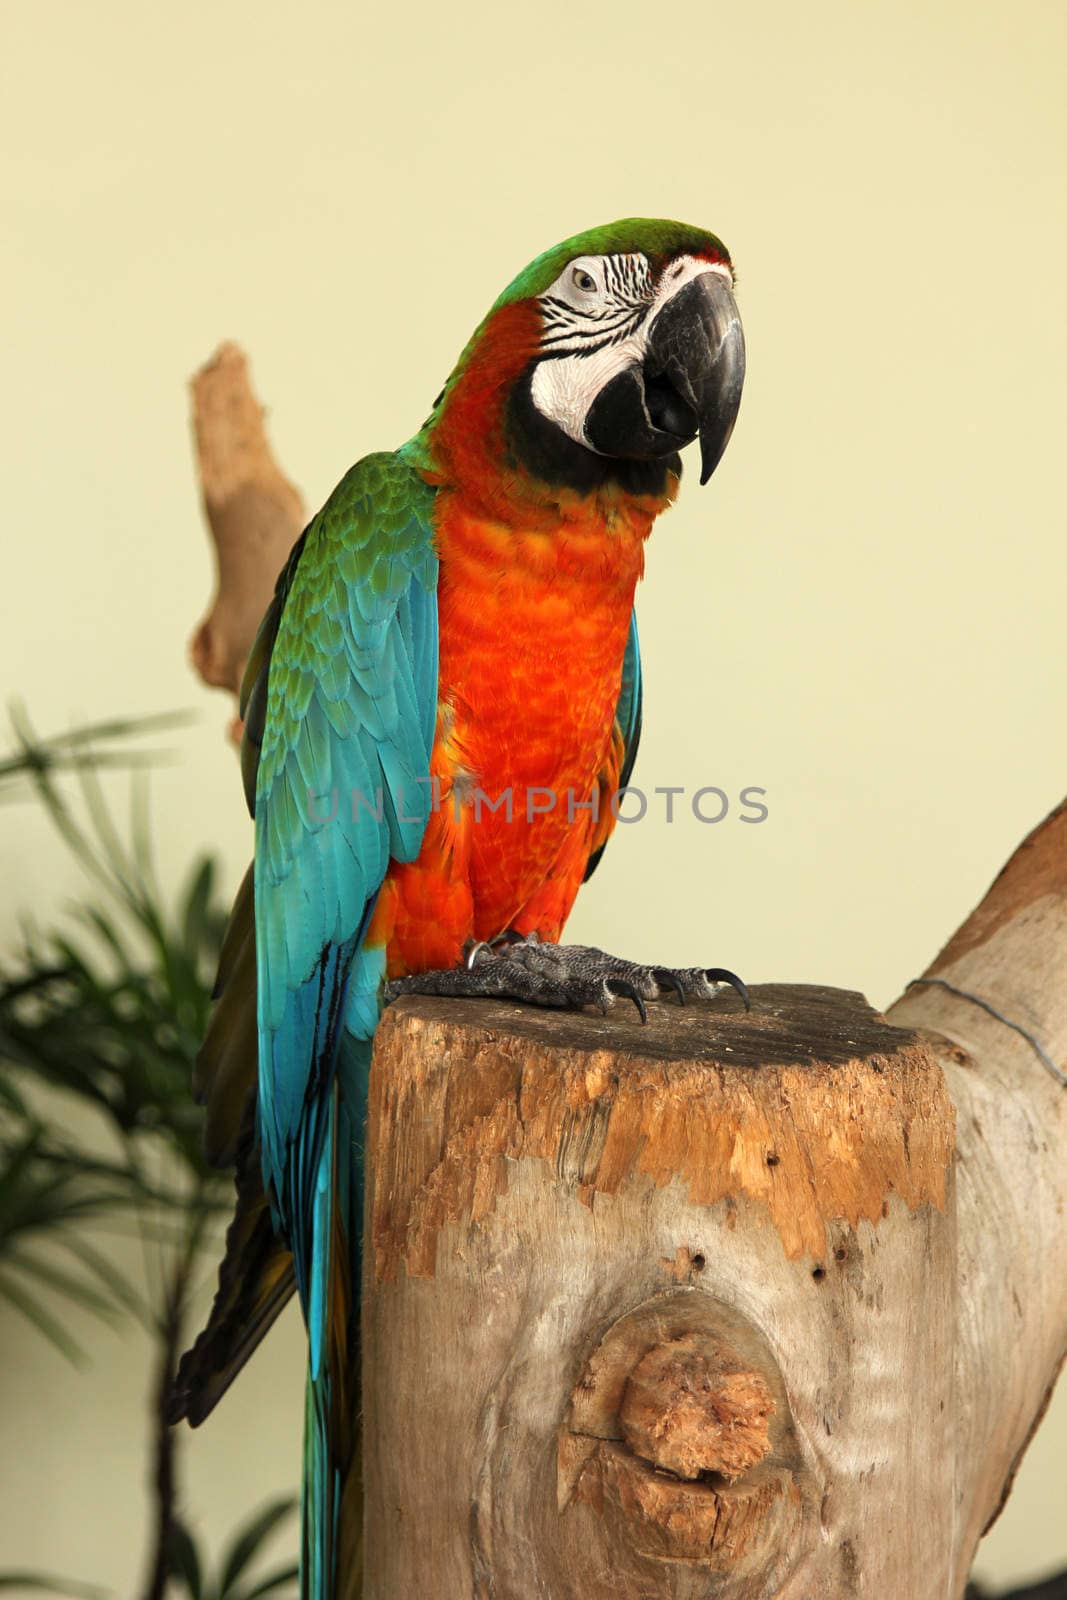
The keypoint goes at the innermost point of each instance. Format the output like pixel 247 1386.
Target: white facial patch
pixel 597 315
pixel 564 388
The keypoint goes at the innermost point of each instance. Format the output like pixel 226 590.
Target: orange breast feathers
pixel 533 627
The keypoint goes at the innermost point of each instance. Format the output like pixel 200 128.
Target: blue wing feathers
pixel 345 702
pixel 628 711
pixel 628 718
pixel 350 719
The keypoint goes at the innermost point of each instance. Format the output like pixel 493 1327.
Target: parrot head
pixel 603 359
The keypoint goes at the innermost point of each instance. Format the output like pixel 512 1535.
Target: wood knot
pixel 679 1444
pixel 691 1411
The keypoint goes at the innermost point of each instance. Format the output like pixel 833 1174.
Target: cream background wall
pixel 862 614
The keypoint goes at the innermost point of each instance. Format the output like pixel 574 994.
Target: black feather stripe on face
pixel 627 292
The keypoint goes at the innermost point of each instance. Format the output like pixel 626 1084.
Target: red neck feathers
pixel 475 457
pixel 469 438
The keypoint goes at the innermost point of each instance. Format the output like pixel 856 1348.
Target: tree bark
pixel 728 1305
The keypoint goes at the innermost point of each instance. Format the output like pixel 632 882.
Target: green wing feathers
pixel 340 706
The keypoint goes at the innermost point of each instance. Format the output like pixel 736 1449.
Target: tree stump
pixel 726 1305
pixel 739 1306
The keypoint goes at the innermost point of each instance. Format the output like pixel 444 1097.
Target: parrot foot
pixel 563 975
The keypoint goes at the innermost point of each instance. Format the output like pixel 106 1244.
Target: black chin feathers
pixel 541 449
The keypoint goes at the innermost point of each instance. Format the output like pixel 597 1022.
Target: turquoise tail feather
pixel 332 1485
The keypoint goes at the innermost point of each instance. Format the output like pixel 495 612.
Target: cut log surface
pixel 810 1104
pixel 654 1310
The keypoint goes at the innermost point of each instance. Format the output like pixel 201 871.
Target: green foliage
pixel 238 1577
pixel 50 1192
pixel 106 1013
pixel 42 1583
pixel 88 745
pixel 242 1554
pixel 115 1012
pixel 110 1014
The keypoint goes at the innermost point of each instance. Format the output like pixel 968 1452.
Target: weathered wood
pixel 1011 1187
pixel 254 514
pixel 554 1198
pixel 709 1308
pixel 691 1411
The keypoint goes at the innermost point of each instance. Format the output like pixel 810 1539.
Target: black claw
pixel 626 991
pixel 721 975
pixel 670 980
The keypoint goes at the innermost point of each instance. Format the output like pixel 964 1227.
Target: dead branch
pixel 254 514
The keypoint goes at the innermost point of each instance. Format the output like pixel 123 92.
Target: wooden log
pixel 994 1004
pixel 712 1308
pixel 727 1305
pixel 560 1202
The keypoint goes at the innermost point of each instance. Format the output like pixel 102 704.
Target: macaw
pixel 443 699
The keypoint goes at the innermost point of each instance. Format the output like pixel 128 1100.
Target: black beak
pixel 697 347
pixel 689 383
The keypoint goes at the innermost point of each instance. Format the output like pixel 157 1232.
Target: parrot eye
pixel 583 280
